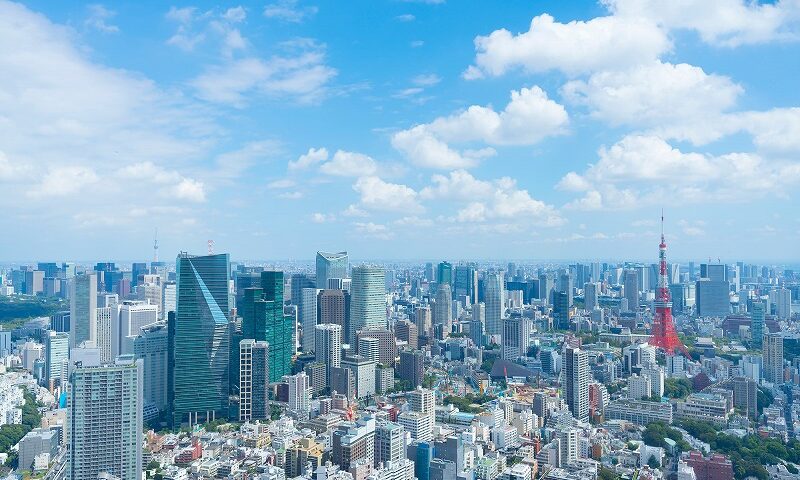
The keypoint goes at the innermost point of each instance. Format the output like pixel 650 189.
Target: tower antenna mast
pixel 155 246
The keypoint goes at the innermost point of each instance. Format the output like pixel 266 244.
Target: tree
pixel 653 462
pixel 677 387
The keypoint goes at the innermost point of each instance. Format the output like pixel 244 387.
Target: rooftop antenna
pixel 211 247
pixel 155 246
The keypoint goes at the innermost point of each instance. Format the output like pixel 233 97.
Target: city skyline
pixel 400 129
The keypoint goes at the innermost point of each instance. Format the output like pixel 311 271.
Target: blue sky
pixel 400 129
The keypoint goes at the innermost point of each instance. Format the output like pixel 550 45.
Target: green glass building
pixel 263 319
pixel 201 339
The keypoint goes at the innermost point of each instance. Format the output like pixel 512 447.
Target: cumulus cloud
pixel 529 117
pixel 314 156
pixel 373 230
pixel 322 217
pixel 657 95
pixel 376 194
pixel 349 164
pixel 727 23
pixel 609 42
pixel 646 169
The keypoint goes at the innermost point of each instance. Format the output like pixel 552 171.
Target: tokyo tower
pixel 663 333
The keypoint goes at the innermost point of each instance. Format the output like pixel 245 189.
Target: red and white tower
pixel 663 334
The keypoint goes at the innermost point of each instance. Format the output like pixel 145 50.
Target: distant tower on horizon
pixel 663 334
pixel 155 247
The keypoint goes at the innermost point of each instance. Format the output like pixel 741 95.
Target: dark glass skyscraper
pixel 201 339
pixel 263 319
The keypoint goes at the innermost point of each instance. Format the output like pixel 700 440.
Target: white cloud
pixel 374 230
pixel 289 11
pixel 310 158
pixel 426 80
pixel 349 164
pixel 406 17
pixel 416 43
pixel 576 47
pixel 281 184
pixel 322 217
pixel 99 17
pixel 302 77
pixel 657 95
pixel 291 195
pixel 377 194
pixel 529 117
pixel 235 14
pixel 728 23
pixel 354 211
pixel 64 180
pixel 188 189
pixel 232 164
pixel 459 184
pixel 70 126
pixel 640 170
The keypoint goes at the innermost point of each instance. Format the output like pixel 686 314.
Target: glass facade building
pixel 201 338
pixel 330 265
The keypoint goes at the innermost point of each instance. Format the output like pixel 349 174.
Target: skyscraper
pixel 201 339
pixel 590 295
pixel 516 336
pixel 253 380
pixel 104 421
pixel 83 309
pixel 329 347
pixel 300 394
pixel 561 311
pixel 757 324
pixel 368 303
pixel 331 265
pixel 334 307
pixel 466 283
pixel 494 304
pixel 576 384
pixel 307 313
pixel 443 309
pixel 444 273
pixel 57 352
pixel 151 345
pixel 279 326
pixel 630 281
pixel 772 353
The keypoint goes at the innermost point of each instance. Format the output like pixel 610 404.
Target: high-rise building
pixel 713 298
pixel 545 288
pixel 151 345
pixel 444 273
pixel 369 348
pixel 334 307
pixel 407 332
pixel 363 372
pixel 561 311
pixel 368 301
pixel 576 384
pixel 57 353
pixel 83 309
pixel 590 291
pixel 516 337
pixel 329 346
pixel 423 318
pixel 630 282
pixel 300 394
pixel 331 265
pixel 133 315
pixel 168 298
pixel 757 324
pixel 390 443
pixel 411 366
pixel 443 309
pixel 107 333
pixel 298 282
pixel 104 421
pixel 201 338
pixel 494 304
pixel 782 299
pixel 307 313
pixel 465 283
pixel 263 319
pixel 253 380
pixel 354 441
pixel 772 353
